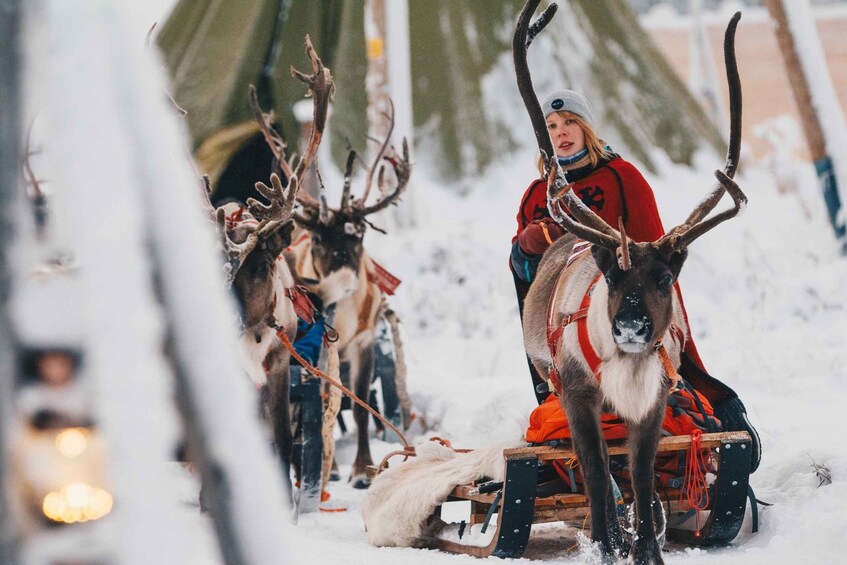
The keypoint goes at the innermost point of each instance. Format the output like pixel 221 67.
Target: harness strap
pixel 554 333
pixel 670 370
pixel 303 306
pixel 588 351
pixel 365 312
pixel 590 354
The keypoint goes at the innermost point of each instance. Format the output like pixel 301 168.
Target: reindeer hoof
pixel 645 553
pixel 360 481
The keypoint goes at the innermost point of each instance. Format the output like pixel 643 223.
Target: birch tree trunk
pixel 9 151
pixel 816 102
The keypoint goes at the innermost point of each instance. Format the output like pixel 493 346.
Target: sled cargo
pixel 518 503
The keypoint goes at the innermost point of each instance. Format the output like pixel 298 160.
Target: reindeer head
pixel 253 239
pixel 640 302
pixel 639 276
pixel 337 233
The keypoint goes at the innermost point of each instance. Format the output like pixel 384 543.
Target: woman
pixel 609 185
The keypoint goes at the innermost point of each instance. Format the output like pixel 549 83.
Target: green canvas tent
pixel 462 79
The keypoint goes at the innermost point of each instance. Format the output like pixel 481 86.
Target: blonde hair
pixel 596 146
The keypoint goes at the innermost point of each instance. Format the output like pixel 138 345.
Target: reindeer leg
pixel 362 370
pixel 582 401
pixel 643 439
pixel 278 361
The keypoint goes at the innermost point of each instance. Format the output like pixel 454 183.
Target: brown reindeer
pixel 329 258
pixel 632 317
pixel 254 238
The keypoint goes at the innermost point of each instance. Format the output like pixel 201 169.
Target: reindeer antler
pixel 321 88
pixel 734 149
pixel 348 179
pixel 524 34
pixel 402 166
pixel 383 146
pixel 589 225
pixel 269 218
pixel 274 141
pixel 281 203
pixel 694 226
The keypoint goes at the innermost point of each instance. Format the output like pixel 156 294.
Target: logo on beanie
pixel 557 103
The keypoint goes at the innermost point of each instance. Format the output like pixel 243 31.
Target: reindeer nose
pixel 631 328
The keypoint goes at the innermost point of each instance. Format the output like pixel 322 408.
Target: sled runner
pixel 521 499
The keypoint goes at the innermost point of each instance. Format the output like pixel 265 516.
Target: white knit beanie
pixel 568 101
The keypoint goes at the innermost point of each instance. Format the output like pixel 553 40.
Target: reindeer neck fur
pixel 260 339
pixel 631 383
pixel 300 253
pixel 350 314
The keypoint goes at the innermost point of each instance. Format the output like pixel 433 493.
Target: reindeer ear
pixel 280 239
pixel 604 258
pixel 676 260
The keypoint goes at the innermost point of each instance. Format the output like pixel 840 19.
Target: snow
pixel 764 294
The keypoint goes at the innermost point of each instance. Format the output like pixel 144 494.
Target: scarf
pixel 579 165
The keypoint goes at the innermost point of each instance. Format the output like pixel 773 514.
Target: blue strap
pixel 494 505
pixel 754 507
pixel 572 478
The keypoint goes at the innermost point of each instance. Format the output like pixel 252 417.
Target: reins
pixel 283 337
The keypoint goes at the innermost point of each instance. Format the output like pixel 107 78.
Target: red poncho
pixel 612 190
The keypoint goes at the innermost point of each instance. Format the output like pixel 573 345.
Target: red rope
pixel 283 337
pixel 694 487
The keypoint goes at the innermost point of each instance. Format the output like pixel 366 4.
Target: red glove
pixel 538 235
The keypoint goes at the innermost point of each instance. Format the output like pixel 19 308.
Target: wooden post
pixel 810 117
pixel 10 132
pixel 389 76
pixel 400 89
pixel 376 82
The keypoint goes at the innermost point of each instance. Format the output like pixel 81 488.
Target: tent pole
pixel 10 131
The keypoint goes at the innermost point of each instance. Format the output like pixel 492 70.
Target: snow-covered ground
pixel 765 297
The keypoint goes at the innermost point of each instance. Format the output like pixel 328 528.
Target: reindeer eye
pixel 665 282
pixel 609 281
pixel 262 269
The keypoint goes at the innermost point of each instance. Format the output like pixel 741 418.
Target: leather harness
pixel 554 333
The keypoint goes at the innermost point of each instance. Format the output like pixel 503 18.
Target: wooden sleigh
pixel 518 504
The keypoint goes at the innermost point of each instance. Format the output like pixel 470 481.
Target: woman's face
pixel 567 136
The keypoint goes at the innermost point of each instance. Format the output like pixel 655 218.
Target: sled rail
pixel 666 444
pixel 520 507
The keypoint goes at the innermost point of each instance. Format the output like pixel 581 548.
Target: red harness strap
pixel 582 330
pixel 554 336
pixel 303 307
pixel 386 282
pixel 588 351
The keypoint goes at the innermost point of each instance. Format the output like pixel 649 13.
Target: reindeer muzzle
pixel 631 331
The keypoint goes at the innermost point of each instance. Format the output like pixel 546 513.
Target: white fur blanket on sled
pixel 401 498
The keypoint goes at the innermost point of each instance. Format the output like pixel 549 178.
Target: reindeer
pixel 329 258
pixel 630 322
pixel 253 239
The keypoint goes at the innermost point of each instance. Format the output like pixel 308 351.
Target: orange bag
pixel 548 422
